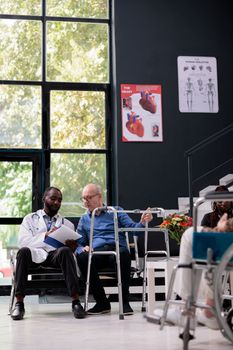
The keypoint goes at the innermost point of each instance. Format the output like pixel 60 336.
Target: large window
pixel 54 105
pixel 85 57
pixel 83 113
pixel 20 116
pixel 15 188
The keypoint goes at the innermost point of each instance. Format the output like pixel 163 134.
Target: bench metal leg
pixel 12 298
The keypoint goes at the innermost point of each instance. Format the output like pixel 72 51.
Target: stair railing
pixel 191 151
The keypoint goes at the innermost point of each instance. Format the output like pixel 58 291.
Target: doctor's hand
pixel 72 244
pixel 50 231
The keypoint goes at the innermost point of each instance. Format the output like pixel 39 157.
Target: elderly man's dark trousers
pixel 106 261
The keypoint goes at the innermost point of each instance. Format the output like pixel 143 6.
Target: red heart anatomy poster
pixel 141 113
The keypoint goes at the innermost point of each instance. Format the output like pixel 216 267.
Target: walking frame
pixel 160 213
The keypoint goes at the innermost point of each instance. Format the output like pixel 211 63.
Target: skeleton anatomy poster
pixel 141 113
pixel 198 85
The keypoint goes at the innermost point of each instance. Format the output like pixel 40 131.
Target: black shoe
pixel 99 309
pixel 127 310
pixel 18 311
pixel 78 310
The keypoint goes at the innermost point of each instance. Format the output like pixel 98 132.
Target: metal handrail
pixel 209 140
pixel 189 153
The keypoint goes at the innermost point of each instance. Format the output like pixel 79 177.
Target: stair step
pixel 226 180
pixel 207 189
pixel 183 203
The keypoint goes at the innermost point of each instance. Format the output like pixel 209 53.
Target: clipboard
pixel 58 237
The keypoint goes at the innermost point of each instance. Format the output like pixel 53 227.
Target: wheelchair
pixel 213 253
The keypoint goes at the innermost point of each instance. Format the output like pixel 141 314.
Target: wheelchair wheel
pixel 224 317
pixel 230 319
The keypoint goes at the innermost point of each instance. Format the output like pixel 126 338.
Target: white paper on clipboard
pixel 58 237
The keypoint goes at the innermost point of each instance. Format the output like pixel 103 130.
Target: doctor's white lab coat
pixel 32 234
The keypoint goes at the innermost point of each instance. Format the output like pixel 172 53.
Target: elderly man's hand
pixel 86 248
pixel 146 216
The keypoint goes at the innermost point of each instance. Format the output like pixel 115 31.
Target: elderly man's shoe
pixel 18 311
pixel 99 309
pixel 127 310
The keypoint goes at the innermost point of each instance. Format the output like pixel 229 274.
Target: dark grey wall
pixel 150 35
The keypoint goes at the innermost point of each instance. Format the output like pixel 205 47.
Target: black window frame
pixel 41 174
pixel 36 158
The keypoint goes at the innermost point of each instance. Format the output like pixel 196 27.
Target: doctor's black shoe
pixel 78 310
pixel 18 311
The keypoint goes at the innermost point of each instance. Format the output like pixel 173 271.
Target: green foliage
pixel 19 7
pixel 66 8
pixel 81 8
pixel 15 188
pixel 20 116
pixel 83 114
pixel 20 50
pixel 71 172
pixel 85 58
pixel 9 236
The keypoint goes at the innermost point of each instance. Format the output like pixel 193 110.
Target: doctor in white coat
pixel 35 228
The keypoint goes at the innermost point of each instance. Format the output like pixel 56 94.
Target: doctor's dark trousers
pixel 60 258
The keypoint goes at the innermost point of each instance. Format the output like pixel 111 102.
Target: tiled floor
pixel 52 327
